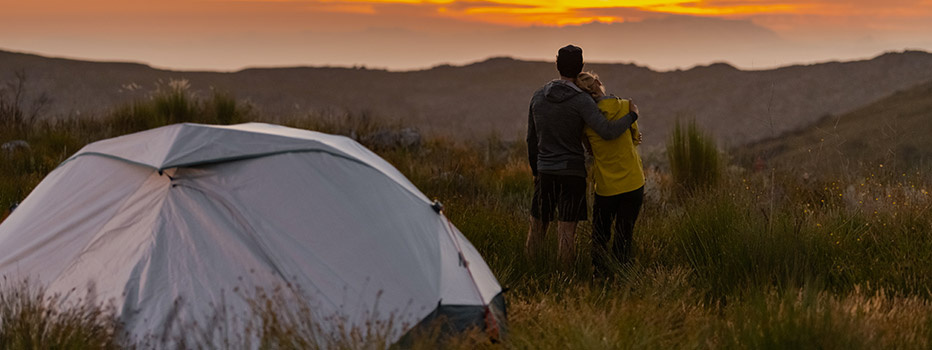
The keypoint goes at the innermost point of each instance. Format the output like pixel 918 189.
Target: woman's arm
pixel 636 135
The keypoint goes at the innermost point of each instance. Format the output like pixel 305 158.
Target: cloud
pixel 626 13
pixel 501 12
pixel 467 5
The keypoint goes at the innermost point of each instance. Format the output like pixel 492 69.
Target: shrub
pixel 224 109
pixel 175 104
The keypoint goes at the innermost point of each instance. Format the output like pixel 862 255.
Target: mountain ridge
pixel 474 100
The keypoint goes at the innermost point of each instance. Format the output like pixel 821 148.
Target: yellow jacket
pixel 617 167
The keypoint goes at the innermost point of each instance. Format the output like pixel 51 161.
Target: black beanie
pixel 569 61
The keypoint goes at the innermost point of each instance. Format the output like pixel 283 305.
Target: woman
pixel 619 179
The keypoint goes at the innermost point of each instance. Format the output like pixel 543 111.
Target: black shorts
pixel 564 194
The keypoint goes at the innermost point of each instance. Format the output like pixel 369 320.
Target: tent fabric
pixel 166 224
pixel 192 144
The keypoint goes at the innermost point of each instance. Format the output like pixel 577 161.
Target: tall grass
pixel 52 141
pixel 758 260
pixel 731 249
pixel 175 102
pixel 693 156
pixel 31 318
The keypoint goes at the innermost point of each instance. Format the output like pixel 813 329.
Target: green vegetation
pixel 693 157
pixel 763 260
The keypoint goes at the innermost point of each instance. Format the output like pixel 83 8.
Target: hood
pixel 560 90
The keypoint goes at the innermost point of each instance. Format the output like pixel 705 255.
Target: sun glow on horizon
pixel 191 33
pixel 521 13
pixel 512 13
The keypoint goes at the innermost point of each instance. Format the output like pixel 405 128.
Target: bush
pixel 175 103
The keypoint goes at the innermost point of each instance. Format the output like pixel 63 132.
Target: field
pixel 762 259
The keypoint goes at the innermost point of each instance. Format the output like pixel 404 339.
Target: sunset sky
pixel 411 34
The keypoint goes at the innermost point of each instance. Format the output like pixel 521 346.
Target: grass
pixel 890 131
pixel 693 157
pixel 767 260
pixel 30 318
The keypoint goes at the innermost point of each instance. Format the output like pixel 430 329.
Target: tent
pixel 165 224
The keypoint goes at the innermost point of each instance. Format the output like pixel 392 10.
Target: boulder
pixel 407 138
pixel 15 145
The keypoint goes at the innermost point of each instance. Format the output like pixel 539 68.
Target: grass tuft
pixel 31 318
pixel 693 156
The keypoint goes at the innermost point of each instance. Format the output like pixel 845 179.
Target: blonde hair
pixel 589 82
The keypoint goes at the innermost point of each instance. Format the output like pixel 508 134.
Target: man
pixel 557 114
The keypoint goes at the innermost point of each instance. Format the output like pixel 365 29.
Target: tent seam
pixel 244 157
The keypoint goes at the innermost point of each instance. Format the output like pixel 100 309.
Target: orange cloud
pixel 562 12
pixel 504 12
pixel 536 12
pixel 366 9
pixel 223 16
pixel 521 13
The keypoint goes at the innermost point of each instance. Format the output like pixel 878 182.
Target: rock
pixel 15 145
pixel 497 151
pixel 407 138
pixel 451 177
pixel 410 138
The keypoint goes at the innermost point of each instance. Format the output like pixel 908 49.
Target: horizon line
pixel 455 65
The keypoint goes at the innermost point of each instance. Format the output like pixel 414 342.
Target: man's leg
pixel 566 250
pixel 535 236
pixel 542 207
pixel 573 209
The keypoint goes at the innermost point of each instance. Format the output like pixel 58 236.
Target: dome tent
pixel 188 212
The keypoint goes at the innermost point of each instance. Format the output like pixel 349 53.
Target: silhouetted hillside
pixel 891 133
pixel 476 99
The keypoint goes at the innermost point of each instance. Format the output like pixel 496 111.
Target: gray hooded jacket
pixel 556 118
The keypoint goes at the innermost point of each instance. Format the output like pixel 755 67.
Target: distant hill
pixel 477 99
pixel 893 132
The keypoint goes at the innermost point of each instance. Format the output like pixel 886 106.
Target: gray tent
pixel 166 223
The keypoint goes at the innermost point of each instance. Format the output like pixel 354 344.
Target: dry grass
pixel 759 260
pixel 30 318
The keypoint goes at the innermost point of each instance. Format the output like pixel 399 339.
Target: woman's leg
pixel 604 210
pixel 628 209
